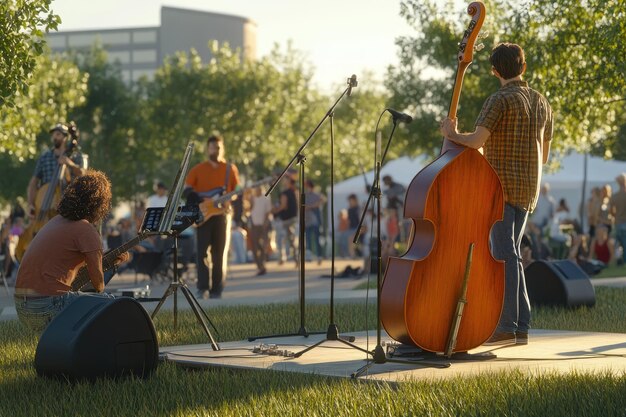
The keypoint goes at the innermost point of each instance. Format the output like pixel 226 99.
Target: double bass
pixel 47 198
pixel 453 203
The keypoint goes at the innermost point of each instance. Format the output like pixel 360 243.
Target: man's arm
pixel 282 206
pixel 31 191
pixel 474 140
pixel 94 268
pixel 31 194
pixel 75 169
pixel 546 151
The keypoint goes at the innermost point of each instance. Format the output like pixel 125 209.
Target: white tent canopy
pixel 566 183
pixel 402 170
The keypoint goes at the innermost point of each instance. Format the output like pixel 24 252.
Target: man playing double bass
pixel 515 129
pixel 48 181
pixel 48 161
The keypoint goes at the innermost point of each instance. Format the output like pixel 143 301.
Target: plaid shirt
pixel 519 120
pixel 47 163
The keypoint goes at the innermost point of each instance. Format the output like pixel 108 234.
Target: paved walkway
pixel 279 285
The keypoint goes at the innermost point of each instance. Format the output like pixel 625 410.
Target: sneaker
pixel 501 339
pixel 261 272
pixel 215 295
pixel 521 338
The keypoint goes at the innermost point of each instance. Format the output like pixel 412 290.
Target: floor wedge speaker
pixel 559 283
pixel 97 337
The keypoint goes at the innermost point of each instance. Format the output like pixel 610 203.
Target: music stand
pixel 166 227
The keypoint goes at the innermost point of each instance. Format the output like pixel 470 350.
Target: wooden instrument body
pixel 213 204
pixel 43 213
pixel 209 207
pixel 453 202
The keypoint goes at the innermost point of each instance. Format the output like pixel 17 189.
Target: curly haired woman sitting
pixel 66 243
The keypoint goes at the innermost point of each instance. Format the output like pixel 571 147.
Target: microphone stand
pixel 300 159
pixel 378 354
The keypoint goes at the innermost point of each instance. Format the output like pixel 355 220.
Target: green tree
pixel 575 55
pixel 57 87
pixel 108 120
pixel 23 24
pixel 265 109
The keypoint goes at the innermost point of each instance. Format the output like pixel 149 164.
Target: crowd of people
pixel 554 231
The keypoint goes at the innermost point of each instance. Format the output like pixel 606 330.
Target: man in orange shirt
pixel 214 175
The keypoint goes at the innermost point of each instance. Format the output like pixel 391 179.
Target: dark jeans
pixel 506 239
pixel 212 235
pixel 313 240
pixel 260 237
pixel 620 236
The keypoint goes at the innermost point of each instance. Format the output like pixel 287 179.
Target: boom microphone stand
pixel 300 158
pixel 378 354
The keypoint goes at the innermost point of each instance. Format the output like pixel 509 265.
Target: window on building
pixel 145 56
pixel 145 36
pixel 81 40
pixel 56 41
pixel 123 57
pixel 115 38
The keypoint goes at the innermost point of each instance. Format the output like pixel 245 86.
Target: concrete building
pixel 140 51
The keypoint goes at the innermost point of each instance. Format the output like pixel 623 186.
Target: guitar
pixel 212 205
pixel 184 217
pixel 108 262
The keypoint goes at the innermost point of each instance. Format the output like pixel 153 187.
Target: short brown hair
pixel 215 138
pixel 508 59
pixel 87 197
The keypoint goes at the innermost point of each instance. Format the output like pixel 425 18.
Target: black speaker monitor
pixel 98 337
pixel 559 283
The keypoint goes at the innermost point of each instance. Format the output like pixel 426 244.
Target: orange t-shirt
pixel 56 253
pixel 205 177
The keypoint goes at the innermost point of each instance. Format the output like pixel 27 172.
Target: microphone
pixel 351 83
pixel 403 117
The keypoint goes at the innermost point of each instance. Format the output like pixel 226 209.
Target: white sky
pixel 339 37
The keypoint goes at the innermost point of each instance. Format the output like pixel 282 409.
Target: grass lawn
pixel 174 391
pixel 612 271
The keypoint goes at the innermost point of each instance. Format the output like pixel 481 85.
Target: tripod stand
pixel 378 354
pixel 301 159
pixel 173 288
